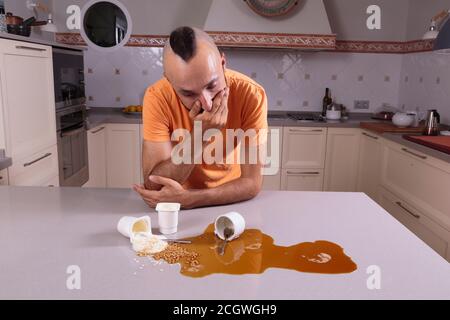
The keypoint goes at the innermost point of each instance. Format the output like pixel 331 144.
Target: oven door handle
pixel 73 132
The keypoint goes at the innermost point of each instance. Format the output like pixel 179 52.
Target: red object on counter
pixel 440 143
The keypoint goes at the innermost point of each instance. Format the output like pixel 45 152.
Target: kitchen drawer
pixel 272 182
pixel 426 229
pixel 423 180
pixel 4 177
pixel 35 170
pixel 302 180
pixel 25 48
pixel 304 148
pixel 53 182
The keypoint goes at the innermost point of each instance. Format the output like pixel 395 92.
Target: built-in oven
pixel 70 99
pixel 68 74
pixel 72 146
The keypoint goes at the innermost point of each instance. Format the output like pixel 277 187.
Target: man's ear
pixel 224 59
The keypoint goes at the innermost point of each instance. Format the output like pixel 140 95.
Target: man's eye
pixel 211 87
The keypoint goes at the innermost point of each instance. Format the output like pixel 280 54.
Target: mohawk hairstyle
pixel 183 43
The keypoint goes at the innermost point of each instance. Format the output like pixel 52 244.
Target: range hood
pixel 232 23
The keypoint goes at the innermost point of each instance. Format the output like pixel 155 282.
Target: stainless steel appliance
pixel 432 123
pixel 72 146
pixel 68 72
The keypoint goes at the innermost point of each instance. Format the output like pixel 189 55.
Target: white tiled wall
pixel 293 80
pixel 425 83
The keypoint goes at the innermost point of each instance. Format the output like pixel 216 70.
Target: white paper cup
pixel 231 219
pixel 127 225
pixel 168 217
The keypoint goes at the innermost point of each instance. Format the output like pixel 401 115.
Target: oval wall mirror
pixel 106 25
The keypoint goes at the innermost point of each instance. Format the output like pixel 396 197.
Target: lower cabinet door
pixel 431 233
pixel 302 180
pixel 35 170
pixel 123 155
pixel 53 182
pixel 272 182
pixel 4 177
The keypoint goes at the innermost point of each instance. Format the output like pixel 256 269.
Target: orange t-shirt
pixel 163 113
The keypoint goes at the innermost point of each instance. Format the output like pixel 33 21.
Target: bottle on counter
pixel 326 101
pixel 2 17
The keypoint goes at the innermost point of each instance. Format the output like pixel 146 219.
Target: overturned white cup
pixel 128 226
pixel 231 220
pixel 168 217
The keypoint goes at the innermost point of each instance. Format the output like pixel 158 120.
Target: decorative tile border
pixel 281 41
pixel 384 46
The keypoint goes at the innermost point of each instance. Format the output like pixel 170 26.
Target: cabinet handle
pixel 407 210
pixel 370 136
pixel 30 48
pixel 37 160
pixel 303 173
pixel 414 154
pixel 97 131
pixel 305 130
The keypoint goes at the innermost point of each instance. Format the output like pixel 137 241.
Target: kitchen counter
pixel 398 138
pixel 4 35
pixel 5 162
pixel 99 116
pixel 43 231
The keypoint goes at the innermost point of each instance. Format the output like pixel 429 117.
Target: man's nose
pixel 206 101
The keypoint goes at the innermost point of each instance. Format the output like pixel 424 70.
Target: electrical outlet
pixel 362 104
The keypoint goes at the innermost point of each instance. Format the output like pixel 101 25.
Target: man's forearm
pixel 234 191
pixel 177 172
pixel 167 169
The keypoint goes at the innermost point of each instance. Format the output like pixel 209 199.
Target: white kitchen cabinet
pixel 53 182
pixel 369 171
pixel 26 73
pixel 304 148
pixel 342 157
pixel 302 179
pixel 97 157
pixel 421 180
pixel 4 177
pixel 272 178
pixel 140 158
pixel 419 223
pixel 36 169
pixel 272 182
pixel 123 155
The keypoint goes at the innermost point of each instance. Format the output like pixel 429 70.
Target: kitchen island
pixel 44 232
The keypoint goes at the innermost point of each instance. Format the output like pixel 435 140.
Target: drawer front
pixel 302 180
pixel 25 48
pixel 36 169
pixel 52 183
pixel 4 177
pixel 424 228
pixel 304 147
pixel 424 182
pixel 272 182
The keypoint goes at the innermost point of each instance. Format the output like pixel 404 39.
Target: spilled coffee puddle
pixel 254 252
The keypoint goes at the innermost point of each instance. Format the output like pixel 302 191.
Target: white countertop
pixel 44 230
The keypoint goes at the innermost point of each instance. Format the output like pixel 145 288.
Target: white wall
pixel 348 19
pixel 425 77
pixel 156 17
pixel 235 15
pixel 19 8
pixel 420 14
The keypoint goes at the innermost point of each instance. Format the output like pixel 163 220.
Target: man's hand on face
pixel 217 117
pixel 171 191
